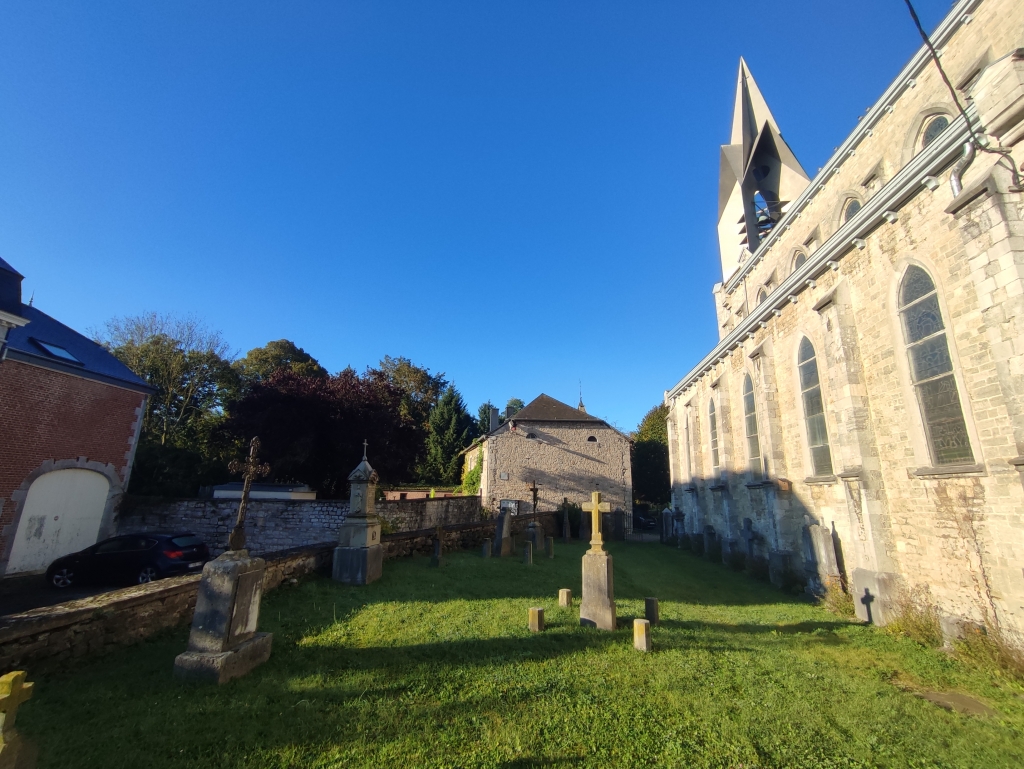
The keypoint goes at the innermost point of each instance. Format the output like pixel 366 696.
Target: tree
pixel 651 482
pixel 312 427
pixel 515 404
pixel 421 388
pixel 483 420
pixel 451 430
pixel 260 363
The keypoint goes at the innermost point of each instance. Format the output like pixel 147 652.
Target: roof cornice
pixel 955 19
pixel 38 360
pixel 907 183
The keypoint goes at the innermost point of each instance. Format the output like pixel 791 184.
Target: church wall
pixel 562 462
pixel 957 533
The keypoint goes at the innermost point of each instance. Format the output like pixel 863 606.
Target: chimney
pixel 495 419
pixel 10 289
pixel 509 413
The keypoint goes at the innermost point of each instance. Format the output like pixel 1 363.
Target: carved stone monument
pixel 597 604
pixel 15 751
pixel 223 643
pixel 503 544
pixel 359 556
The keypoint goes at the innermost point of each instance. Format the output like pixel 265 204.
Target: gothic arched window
pixel 762 295
pixel 750 424
pixel 931 370
pixel 713 433
pixel 800 259
pixel 935 126
pixel 851 210
pixel 814 410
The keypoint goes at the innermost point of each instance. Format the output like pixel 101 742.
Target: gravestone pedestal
pixel 223 643
pixel 597 606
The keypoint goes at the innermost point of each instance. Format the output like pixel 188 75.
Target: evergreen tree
pixel 451 430
pixel 650 458
pixel 483 421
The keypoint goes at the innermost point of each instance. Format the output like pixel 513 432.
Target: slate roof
pixel 6 266
pixel 95 361
pixel 544 408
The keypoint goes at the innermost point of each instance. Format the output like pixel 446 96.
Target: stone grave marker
pixel 503 544
pixel 15 751
pixel 565 597
pixel 359 556
pixel 597 605
pixel 223 642
pixel 641 635
pixel 437 559
pixel 486 549
pixel 651 610
pixel 535 535
pixel 536 619
pixel 528 553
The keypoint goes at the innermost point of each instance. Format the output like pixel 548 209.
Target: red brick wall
pixel 46 414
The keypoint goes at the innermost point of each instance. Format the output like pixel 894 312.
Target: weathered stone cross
pixel 13 692
pixel 595 507
pixel 251 468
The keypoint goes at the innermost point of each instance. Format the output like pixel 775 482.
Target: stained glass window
pixel 814 410
pixel 750 422
pixel 851 210
pixel 931 131
pixel 931 370
pixel 713 431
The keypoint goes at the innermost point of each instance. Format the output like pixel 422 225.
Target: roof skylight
pixel 56 351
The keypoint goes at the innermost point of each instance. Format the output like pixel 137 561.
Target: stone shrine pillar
pixel 597 604
pixel 359 556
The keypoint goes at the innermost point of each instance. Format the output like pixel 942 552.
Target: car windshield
pixel 187 541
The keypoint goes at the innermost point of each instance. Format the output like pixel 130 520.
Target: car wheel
pixel 62 577
pixel 147 574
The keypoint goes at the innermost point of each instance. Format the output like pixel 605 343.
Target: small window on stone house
pixel 799 262
pixel 931 370
pixel 852 209
pixel 750 425
pixel 814 410
pixel 591 439
pixel 933 128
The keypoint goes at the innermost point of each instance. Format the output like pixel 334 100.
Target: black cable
pixel 1005 154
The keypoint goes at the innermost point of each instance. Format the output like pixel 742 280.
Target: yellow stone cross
pixel 595 507
pixel 13 692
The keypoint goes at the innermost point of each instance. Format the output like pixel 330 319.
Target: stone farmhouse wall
pixel 273 525
pixel 956 532
pixel 562 461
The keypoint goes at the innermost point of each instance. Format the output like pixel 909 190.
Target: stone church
pixel 563 452
pixel 862 415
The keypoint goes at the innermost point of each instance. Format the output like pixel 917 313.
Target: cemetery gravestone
pixel 549 546
pixel 528 553
pixel 641 635
pixel 359 556
pixel 565 597
pixel 651 610
pixel 15 751
pixel 486 550
pixel 436 559
pixel 223 642
pixel 503 544
pixel 536 619
pixel 597 605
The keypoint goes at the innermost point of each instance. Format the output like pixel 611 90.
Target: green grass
pixel 436 668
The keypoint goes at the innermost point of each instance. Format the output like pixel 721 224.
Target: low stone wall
pixel 51 635
pixel 274 525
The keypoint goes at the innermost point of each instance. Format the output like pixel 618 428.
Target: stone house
pixel 70 416
pixel 562 451
pixel 862 415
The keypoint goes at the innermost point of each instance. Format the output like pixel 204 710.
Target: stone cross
pixel 251 468
pixel 595 507
pixel 13 692
pixel 533 490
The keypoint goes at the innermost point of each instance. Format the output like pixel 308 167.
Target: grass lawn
pixel 435 667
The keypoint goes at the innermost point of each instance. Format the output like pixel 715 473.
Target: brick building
pixel 70 415
pixel 566 452
pixel 862 414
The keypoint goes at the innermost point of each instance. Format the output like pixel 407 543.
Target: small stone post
pixel 651 610
pixel 528 553
pixel 436 559
pixel 565 597
pixel 486 550
pixel 549 546
pixel 536 619
pixel 641 635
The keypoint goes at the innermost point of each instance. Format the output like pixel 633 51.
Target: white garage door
pixel 62 514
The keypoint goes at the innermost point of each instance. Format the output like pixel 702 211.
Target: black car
pixel 135 558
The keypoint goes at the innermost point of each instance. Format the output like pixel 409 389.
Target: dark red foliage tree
pixel 312 428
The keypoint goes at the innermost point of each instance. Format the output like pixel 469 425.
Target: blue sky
pixel 519 194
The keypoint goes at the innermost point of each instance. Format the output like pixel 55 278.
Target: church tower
pixel 759 176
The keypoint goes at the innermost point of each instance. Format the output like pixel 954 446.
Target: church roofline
pixel 904 81
pixel 908 182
